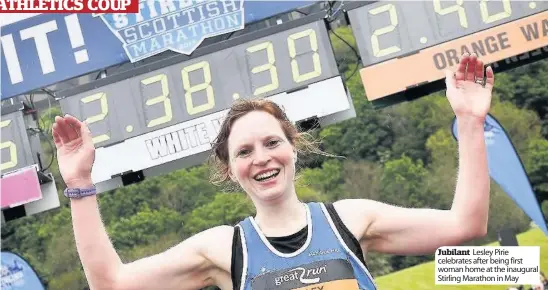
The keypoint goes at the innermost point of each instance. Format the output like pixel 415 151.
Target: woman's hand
pixel 75 150
pixel 469 97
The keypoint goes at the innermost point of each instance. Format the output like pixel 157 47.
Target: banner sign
pixel 506 168
pixel 50 48
pixel 17 274
pixel 176 25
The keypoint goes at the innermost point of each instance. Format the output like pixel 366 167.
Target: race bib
pixel 322 275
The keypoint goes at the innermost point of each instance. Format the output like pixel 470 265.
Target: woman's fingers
pixel 480 72
pixel 461 70
pixel 87 137
pixel 490 77
pixel 74 126
pixel 471 68
pixel 67 128
pixel 81 128
pixel 73 122
pixel 56 137
pixel 61 128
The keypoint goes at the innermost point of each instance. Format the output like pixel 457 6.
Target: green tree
pixel 62 263
pixel 187 189
pixel 366 136
pixel 327 179
pixel 521 125
pixel 504 88
pixel 538 168
pixel 306 193
pixel 443 168
pixel 362 179
pixel 344 55
pixel 378 264
pixel 403 183
pixel 128 201
pixel 158 245
pixel 503 213
pixel 225 209
pixel 144 227
pixel 413 122
pixel 531 92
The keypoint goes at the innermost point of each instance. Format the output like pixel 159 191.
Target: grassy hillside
pixel 422 276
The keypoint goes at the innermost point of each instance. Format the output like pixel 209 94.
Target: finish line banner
pixel 17 274
pixel 44 49
pixel 180 26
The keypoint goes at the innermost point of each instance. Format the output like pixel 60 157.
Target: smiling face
pixel 262 160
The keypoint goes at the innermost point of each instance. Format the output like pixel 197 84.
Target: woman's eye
pixel 243 152
pixel 273 143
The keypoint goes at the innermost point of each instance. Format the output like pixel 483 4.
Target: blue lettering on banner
pixel 174 25
pixel 490 131
pixel 17 274
pixel 49 48
pixel 12 275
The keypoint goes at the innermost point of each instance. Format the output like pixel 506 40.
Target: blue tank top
pixel 324 262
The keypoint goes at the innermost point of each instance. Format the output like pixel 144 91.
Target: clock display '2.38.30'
pixel 261 65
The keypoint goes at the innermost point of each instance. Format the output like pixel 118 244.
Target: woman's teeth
pixel 267 175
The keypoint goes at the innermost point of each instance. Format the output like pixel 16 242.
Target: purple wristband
pixel 79 192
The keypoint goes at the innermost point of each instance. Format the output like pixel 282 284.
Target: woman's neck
pixel 282 218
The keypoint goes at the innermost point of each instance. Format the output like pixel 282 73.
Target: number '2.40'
pixel 441 8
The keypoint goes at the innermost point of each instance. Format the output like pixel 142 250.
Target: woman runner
pixel 288 244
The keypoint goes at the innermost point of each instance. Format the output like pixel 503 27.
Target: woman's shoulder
pixel 355 214
pixel 210 234
pixel 216 245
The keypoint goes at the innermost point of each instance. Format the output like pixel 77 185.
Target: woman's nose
pixel 261 157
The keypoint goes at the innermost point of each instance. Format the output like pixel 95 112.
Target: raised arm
pixel 185 266
pixel 391 229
